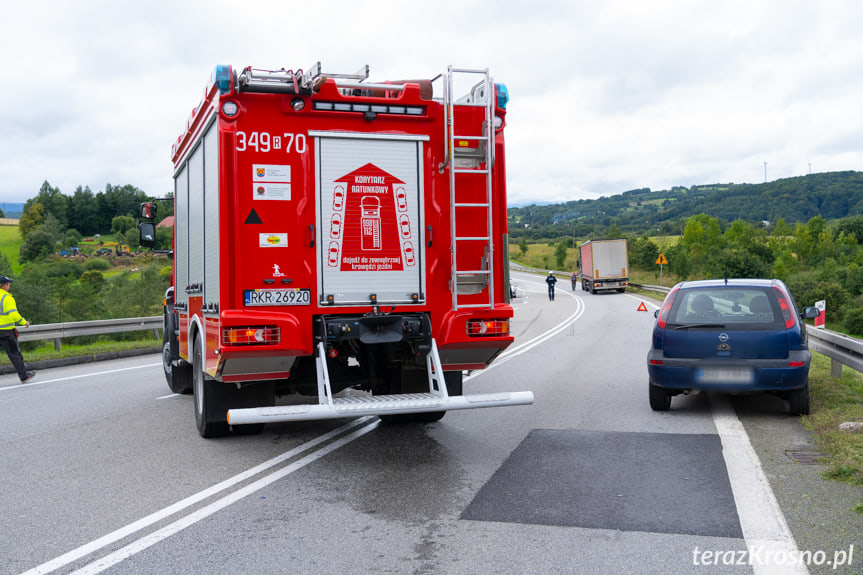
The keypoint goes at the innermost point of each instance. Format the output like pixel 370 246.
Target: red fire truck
pixel 338 239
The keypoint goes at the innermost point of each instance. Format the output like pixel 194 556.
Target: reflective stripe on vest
pixel 4 312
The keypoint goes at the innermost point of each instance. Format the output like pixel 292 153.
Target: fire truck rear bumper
pixel 377 405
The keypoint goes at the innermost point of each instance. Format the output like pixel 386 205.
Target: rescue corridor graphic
pixel 370 229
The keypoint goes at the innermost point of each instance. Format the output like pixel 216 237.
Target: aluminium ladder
pixel 481 96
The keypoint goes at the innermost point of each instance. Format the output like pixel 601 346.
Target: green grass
pixel 835 401
pixel 541 256
pixel 10 245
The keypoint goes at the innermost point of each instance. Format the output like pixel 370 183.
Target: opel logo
pixel 723 337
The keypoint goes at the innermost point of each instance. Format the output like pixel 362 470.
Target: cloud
pixel 605 97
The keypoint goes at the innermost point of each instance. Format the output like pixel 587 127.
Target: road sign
pixel 661 260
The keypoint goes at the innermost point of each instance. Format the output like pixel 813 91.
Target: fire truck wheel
pixel 453 381
pixel 210 409
pixel 179 377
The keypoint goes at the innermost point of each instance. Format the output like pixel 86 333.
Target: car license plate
pixel 724 375
pixel 260 297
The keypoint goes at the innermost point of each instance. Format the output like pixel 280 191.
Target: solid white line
pixel 761 518
pixel 96 374
pixel 517 350
pixel 124 532
pixel 149 540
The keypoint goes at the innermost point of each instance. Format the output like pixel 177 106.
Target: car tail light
pixel 487 327
pixel 267 335
pixel 787 315
pixel 662 318
pixel 796 363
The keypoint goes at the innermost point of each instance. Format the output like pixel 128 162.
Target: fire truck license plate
pixel 277 297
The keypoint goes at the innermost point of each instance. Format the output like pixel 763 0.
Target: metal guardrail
pixel 660 289
pixel 840 348
pixel 57 331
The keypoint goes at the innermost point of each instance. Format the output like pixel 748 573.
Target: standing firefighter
pixel 9 319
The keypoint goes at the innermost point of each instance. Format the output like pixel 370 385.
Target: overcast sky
pixel 606 96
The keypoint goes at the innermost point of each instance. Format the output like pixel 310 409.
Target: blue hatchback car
pixel 730 336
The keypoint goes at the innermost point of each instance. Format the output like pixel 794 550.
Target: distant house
pixel 166 223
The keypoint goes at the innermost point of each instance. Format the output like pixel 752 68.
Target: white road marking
pixel 96 374
pixel 761 518
pixel 153 538
pixel 515 351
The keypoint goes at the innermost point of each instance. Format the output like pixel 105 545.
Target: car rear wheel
pixel 660 400
pixel 798 400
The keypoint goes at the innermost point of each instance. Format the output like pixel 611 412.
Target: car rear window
pixel 732 307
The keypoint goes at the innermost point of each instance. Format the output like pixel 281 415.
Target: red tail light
pixel 486 327
pixel 662 318
pixel 250 335
pixel 787 310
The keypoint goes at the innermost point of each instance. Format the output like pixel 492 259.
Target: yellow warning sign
pixel 661 260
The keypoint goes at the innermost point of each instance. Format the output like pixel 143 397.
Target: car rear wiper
pixel 689 325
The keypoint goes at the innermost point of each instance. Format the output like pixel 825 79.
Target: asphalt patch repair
pixel 652 482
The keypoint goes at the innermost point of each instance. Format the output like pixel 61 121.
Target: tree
pixel 31 218
pixel 118 201
pixel 560 254
pixel 5 266
pixel 38 244
pixel 71 238
pixel 33 295
pixel 522 245
pixel 130 238
pixel 701 236
pixel 643 253
pixel 41 241
pixel 165 239
pixel 83 211
pixel 121 224
pixel 54 201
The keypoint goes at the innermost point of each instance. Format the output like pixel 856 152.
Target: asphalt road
pixel 103 471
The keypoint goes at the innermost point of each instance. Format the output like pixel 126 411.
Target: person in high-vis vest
pixel 9 320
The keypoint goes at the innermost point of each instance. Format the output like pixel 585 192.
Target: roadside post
pixel 821 319
pixel 661 261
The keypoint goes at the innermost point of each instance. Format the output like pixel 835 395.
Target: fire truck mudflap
pixel 338 239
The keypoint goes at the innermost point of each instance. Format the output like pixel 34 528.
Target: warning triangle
pixel 642 307
pixel 253 218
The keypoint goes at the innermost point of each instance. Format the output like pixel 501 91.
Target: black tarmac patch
pixel 652 482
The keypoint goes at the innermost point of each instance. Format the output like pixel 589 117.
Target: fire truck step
pixel 376 405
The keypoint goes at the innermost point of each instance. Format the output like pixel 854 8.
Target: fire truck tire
pixel 453 381
pixel 210 409
pixel 179 377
